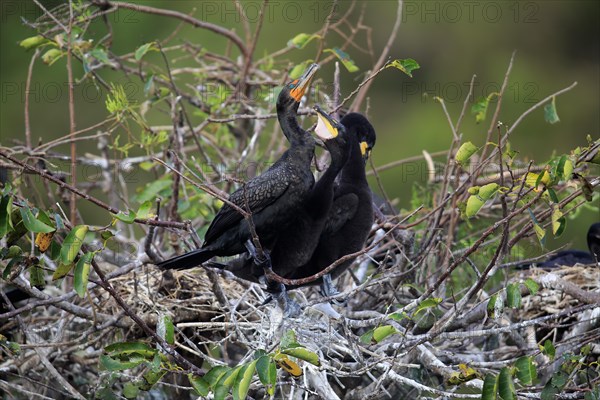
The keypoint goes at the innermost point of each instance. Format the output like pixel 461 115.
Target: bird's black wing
pixel 343 210
pixel 260 192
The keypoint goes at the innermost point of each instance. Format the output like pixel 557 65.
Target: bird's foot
pixel 291 309
pixel 262 260
pixel 328 289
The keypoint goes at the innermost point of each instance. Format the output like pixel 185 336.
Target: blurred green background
pixel 556 44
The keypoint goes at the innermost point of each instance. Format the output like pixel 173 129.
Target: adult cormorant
pixel 351 215
pixel 572 257
pixel 273 197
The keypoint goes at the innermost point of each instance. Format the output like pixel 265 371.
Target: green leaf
pixel 302 354
pixel 200 385
pixel 126 348
pixel 145 210
pixel 548 349
pixel 230 376
pixel 61 271
pixel 127 218
pixel 367 337
pixel 406 65
pixel 81 274
pixel 72 244
pixel 495 306
pixel 165 328
pixel 558 222
pixel 344 58
pixel 465 152
pixel 143 49
pixel 36 276
pixel 382 332
pixel 116 365
pixel 426 304
pixel 288 339
pixel 532 286
pixel 539 231
pixel 513 295
pixel 490 387
pixel 33 224
pixel 153 189
pixel 550 114
pixel 301 40
pixel 541 234
pixel 506 387
pixel 130 390
pixel 220 392
pixel 242 383
pixel 151 377
pixel 33 42
pixel 477 200
pixel 480 109
pixel 100 55
pixel 51 56
pixel 267 373
pixel 526 372
pixel 215 374
pixel 4 215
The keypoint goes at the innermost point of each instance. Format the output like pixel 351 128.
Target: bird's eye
pixel 293 84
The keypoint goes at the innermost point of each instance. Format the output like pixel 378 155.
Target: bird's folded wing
pixel 343 210
pixel 257 194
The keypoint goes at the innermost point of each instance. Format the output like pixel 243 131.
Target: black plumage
pixel 572 257
pixel 296 244
pixel 273 197
pixel 351 216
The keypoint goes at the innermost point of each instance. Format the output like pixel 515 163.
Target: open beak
pixel 301 84
pixel 326 126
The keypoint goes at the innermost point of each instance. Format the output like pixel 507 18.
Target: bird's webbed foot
pixel 261 260
pixel 279 292
pixel 328 289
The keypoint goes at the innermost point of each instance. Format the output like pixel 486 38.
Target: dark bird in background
pixel 273 197
pixel 351 216
pixel 572 257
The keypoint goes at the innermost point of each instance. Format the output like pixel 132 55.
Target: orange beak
pixel 301 84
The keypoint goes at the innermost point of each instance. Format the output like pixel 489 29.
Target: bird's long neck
pixel 338 159
pixel 300 141
pixel 354 169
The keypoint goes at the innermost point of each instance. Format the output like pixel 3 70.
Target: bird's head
pixel 359 126
pixel 293 91
pixel 327 127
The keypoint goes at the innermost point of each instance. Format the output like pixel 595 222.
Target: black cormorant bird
pixel 295 245
pixel 351 215
pixel 572 257
pixel 273 197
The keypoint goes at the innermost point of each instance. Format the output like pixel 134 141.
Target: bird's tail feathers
pixel 187 260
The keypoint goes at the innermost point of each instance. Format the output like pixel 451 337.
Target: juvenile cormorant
pixel 273 197
pixel 351 215
pixel 572 257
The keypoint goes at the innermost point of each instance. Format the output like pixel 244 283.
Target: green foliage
pixel 481 106
pixel 464 153
pixel 301 40
pixel 406 65
pixel 145 48
pixel 344 58
pixel 479 196
pixel 550 114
